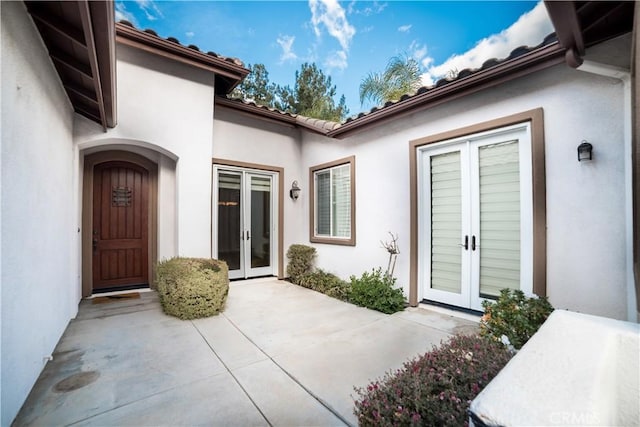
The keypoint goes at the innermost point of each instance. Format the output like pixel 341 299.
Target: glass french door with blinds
pixel 476 217
pixel 244 225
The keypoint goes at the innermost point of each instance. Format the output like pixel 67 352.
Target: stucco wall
pixel 40 289
pixel 585 200
pixel 242 138
pixel 167 108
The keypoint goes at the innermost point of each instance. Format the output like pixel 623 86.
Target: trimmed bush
pixel 514 316
pixel 300 261
pixel 327 283
pixel 376 290
pixel 190 288
pixel 435 389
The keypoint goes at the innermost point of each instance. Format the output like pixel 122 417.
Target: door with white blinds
pixel 244 220
pixel 476 217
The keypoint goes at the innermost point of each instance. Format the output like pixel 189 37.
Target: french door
pixel 244 208
pixel 476 217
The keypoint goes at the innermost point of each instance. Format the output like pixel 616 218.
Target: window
pixel 333 202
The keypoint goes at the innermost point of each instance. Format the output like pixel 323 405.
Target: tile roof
pixel 521 61
pixel 232 60
pixel 462 74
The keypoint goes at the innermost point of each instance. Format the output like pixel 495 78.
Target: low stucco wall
pixel 576 370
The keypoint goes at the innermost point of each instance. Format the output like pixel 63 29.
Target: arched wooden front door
pixel 120 226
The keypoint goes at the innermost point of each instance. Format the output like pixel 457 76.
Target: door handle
pixel 465 245
pixel 248 236
pixel 473 243
pixel 95 244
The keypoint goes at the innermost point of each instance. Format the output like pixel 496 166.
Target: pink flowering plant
pixel 434 389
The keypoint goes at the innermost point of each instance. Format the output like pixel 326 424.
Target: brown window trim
pixel 535 117
pixel 351 160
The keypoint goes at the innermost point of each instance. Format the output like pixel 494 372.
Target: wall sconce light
pixel 585 151
pixel 294 193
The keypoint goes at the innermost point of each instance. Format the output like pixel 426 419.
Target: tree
pixel 401 76
pixel 312 95
pixel 256 86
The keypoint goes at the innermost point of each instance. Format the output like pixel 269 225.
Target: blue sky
pixel 350 39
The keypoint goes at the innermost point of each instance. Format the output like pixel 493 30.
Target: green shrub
pixel 191 288
pixel 376 290
pixel 435 389
pixel 327 283
pixel 300 261
pixel 515 316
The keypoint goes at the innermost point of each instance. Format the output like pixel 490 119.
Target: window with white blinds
pixel 499 171
pixel 333 202
pixel 446 220
pixel 332 207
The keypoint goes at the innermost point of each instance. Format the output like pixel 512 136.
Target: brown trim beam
pixel 85 17
pixel 81 92
pixel 70 63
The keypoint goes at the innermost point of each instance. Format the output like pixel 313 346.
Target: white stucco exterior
pixel 586 243
pixel 167 108
pixel 166 112
pixel 40 291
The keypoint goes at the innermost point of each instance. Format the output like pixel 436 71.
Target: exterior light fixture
pixel 294 193
pixel 585 151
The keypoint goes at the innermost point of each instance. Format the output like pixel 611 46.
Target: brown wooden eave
pixel 80 38
pixel 582 24
pixel 228 72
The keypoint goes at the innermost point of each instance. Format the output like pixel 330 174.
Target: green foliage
pixel 300 261
pixel 376 290
pixel 515 316
pixel 401 76
pixel 327 283
pixel 191 288
pixel 312 95
pixel 434 389
pixel 256 86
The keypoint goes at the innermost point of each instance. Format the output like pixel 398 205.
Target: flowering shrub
pixel 514 316
pixel 434 389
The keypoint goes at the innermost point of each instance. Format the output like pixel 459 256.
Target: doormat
pixel 112 298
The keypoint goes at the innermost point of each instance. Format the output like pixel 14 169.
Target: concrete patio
pixel 279 355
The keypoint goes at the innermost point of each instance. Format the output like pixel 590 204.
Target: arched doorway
pixel 119 221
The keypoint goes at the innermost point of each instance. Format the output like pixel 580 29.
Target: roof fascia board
pixel 87 27
pixel 103 19
pixel 165 48
pixel 564 18
pixel 539 59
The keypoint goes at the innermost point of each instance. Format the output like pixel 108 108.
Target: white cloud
pixel 331 15
pixel 189 34
pixel 286 43
pixel 371 8
pixel 123 13
pixel 336 60
pixel 417 51
pixel 150 8
pixel 405 28
pixel 530 29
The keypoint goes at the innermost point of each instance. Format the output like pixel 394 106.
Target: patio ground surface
pixel 279 355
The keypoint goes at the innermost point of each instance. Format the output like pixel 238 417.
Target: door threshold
pixel 119 292
pixel 451 310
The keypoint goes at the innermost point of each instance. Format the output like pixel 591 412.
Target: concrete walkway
pixel 279 355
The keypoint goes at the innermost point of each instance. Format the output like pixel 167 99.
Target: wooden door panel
pixel 120 225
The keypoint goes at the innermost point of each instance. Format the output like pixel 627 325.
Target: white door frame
pixel 245 270
pixel 469 296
